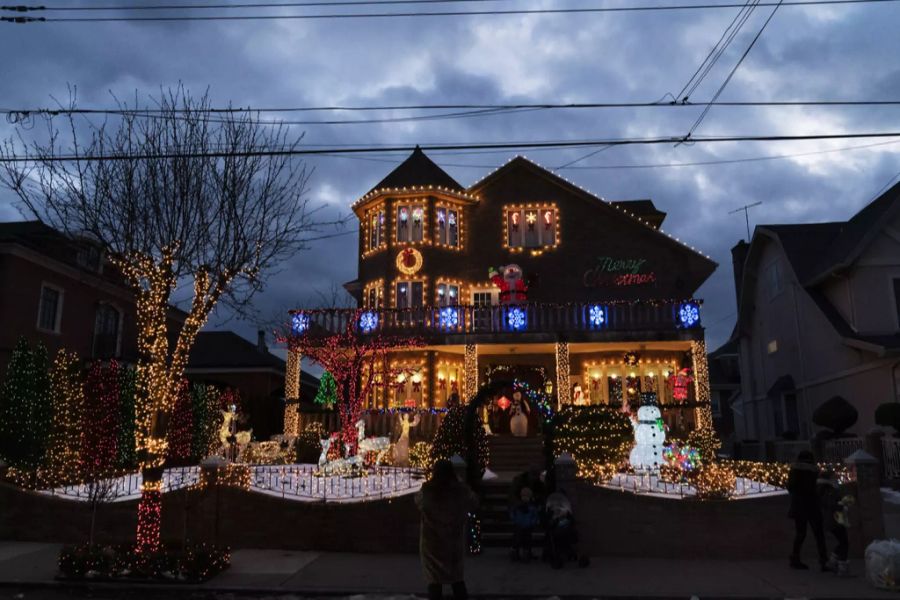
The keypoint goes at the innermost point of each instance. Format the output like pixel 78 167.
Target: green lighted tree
pixel 25 412
pixel 127 457
pixel 327 393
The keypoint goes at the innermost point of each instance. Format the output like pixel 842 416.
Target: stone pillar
pixel 869 511
pixel 563 391
pixel 703 412
pixel 873 444
pixel 566 474
pixel 292 393
pixel 470 373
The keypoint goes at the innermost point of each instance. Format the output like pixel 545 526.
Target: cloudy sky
pixel 806 53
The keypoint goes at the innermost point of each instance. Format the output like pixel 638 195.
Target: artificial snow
pixel 649 484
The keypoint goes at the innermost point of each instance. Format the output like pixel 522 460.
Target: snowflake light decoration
pixel 368 321
pixel 689 314
pixel 597 315
pixel 449 318
pixel 299 323
pixel 516 318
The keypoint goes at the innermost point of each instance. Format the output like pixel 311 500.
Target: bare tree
pixel 177 195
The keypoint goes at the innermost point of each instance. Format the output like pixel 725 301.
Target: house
pixel 227 360
pixel 524 274
pixel 724 389
pixel 61 292
pixel 818 317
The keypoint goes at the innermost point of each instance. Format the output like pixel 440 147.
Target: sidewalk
pixel 274 572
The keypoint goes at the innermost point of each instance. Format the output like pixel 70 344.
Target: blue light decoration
pixel 299 323
pixel 368 321
pixel 449 318
pixel 597 315
pixel 516 318
pixel 689 314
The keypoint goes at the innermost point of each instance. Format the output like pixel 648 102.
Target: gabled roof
pixel 857 233
pixel 805 244
pixel 418 170
pixel 621 207
pixel 226 349
pixel 644 209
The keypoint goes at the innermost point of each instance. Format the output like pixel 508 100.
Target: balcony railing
pixel 644 316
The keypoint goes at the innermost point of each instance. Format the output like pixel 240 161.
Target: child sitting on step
pixel 525 517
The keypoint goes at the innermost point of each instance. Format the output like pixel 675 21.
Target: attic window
pixel 531 226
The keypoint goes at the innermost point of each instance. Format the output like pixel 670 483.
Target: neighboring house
pixel 818 316
pixel 724 389
pixel 225 359
pixel 63 293
pixel 608 316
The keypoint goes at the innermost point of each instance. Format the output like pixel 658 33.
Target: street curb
pixel 199 590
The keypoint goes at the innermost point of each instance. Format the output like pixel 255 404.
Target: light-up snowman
pixel 649 437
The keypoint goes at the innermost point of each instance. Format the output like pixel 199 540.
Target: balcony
pixel 590 321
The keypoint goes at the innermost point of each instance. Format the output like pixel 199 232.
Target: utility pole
pixel 746 208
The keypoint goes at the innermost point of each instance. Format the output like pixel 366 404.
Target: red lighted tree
pixel 100 430
pixel 356 360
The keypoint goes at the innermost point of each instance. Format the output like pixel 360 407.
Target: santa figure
pixel 513 289
pixel 681 382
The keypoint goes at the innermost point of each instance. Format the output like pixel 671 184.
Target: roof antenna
pixel 746 208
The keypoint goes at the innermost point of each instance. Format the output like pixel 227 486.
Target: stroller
pixel 562 536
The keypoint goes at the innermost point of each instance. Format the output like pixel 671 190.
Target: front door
pixel 482 301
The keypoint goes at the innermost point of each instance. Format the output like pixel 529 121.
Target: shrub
pixel 194 563
pixel 706 442
pixel 309 445
pixel 714 482
pixel 420 456
pixel 888 415
pixel 450 440
pixel 596 435
pixel 836 414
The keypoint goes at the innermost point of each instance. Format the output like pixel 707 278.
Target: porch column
pixel 563 392
pixel 703 412
pixel 292 393
pixel 470 373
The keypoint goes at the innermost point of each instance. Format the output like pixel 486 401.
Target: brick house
pixel 603 312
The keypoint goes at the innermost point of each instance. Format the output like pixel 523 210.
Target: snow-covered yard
pixel 293 482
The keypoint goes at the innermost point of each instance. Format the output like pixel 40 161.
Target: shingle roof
pixel 805 244
pixel 418 170
pixel 226 349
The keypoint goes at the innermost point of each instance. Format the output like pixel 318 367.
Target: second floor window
pixel 106 332
pixel 447 226
pixel 376 229
pixel 409 294
pixel 50 309
pixel 373 297
pixel 448 294
pixel 410 222
pixel 773 275
pixel 531 227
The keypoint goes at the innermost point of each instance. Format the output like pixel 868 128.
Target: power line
pixel 329 16
pixel 439 147
pixel 470 110
pixel 242 5
pixel 733 71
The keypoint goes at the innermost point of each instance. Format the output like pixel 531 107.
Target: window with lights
pixel 410 222
pixel 447 294
pixel 373 296
pixel 409 294
pixel 447 226
pixel 531 226
pixel 376 229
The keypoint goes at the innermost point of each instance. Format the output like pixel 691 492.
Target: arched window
pixel 106 331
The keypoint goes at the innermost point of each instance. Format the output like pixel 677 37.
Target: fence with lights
pixel 645 315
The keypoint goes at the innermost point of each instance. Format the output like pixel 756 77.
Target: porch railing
pixel 519 318
pixel 890 457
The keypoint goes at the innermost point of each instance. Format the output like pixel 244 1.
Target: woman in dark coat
pixel 445 503
pixel 805 508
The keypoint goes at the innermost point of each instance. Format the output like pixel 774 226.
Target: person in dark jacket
pixel 525 517
pixel 834 519
pixel 805 509
pixel 445 503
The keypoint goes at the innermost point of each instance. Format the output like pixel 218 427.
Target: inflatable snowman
pixel 518 424
pixel 649 437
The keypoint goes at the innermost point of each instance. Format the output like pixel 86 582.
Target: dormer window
pixel 410 222
pixel 532 226
pixel 447 221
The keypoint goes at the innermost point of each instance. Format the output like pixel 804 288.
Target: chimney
pixel 261 341
pixel 738 259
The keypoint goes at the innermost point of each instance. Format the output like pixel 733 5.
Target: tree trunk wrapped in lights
pixel 182 198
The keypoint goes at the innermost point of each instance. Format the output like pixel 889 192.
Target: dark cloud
pixel 805 53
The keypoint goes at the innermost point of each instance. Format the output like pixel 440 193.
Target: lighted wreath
pixel 409 261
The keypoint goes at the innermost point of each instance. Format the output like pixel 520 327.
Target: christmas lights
pixel 701 385
pixel 597 315
pixel 25 410
pixel 101 420
pixel 373 294
pixel 563 390
pixel 470 372
pixel 689 314
pixel 63 460
pixel 533 238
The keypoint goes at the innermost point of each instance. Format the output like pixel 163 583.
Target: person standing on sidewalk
pixel 805 509
pixel 445 503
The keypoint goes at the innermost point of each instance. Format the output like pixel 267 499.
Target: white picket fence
pixel 835 451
